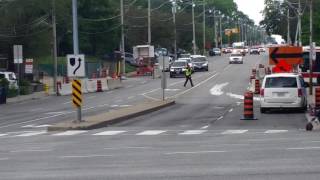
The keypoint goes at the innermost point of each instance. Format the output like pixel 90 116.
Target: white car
pixel 11 77
pixel 188 60
pixel 236 57
pixel 283 90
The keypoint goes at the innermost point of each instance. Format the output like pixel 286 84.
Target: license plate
pixel 281 94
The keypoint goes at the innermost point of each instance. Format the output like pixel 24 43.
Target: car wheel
pixel 263 110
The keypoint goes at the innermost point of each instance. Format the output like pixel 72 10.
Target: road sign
pixel 76 66
pixel 17 54
pixel 291 55
pixel 76 93
pixel 29 66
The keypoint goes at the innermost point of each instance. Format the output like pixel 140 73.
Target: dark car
pixel 200 63
pixel 215 52
pixel 178 68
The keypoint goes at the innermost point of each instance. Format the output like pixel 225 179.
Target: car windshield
pixel 199 59
pixel 216 49
pixel 235 55
pixel 281 82
pixel 179 64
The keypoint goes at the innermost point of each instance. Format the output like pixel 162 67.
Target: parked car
pixel 199 63
pixel 10 76
pixel 215 52
pixel 254 50
pixel 283 90
pixel 236 57
pixel 178 68
pixel 262 49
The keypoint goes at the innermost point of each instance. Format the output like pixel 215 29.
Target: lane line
pixel 194 152
pixel 70 133
pixel 3 135
pixel 86 156
pixel 31 150
pixel 193 132
pixel 204 127
pixel 28 134
pixel 131 97
pixel 234 131
pixel 117 148
pixel 150 133
pixel 230 110
pixel 304 148
pixel 109 133
pixel 275 131
pixel 69 102
pixel 221 117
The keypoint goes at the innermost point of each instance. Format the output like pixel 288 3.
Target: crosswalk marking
pixel 70 133
pixel 151 132
pixel 234 131
pixel 275 131
pixel 31 133
pixel 109 133
pixel 193 132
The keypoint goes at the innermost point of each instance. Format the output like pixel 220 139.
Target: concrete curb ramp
pixel 112 117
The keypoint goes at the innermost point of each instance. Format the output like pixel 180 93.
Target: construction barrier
pixel 248 113
pixel 114 83
pixel 257 86
pixel 317 98
pixel 99 86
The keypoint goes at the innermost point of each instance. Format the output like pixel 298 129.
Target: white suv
pixel 283 90
pixel 10 76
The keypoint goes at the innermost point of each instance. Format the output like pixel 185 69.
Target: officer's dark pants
pixel 188 78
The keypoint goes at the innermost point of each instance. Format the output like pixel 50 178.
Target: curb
pixel 112 117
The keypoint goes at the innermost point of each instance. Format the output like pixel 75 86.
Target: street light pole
pixel 174 11
pixel 193 30
pixel 204 27
pixel 312 48
pixel 288 27
pixel 220 31
pixel 149 22
pixel 55 54
pixel 300 30
pixel 122 39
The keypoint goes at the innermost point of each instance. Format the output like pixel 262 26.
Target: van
pixel 283 90
pixel 10 76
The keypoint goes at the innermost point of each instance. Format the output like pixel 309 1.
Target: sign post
pixel 18 59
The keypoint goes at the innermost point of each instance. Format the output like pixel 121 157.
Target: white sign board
pixel 76 66
pixel 29 66
pixel 17 54
pixel 145 51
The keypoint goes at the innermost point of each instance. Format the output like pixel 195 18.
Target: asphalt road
pixel 201 137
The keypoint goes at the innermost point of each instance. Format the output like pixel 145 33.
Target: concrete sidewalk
pixel 33 96
pixel 112 117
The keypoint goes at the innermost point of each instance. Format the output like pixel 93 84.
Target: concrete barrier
pixel 91 85
pixel 114 83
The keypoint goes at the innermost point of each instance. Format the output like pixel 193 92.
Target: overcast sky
pixel 252 8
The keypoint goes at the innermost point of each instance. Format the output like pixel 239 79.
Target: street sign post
pixel 18 59
pixel 76 65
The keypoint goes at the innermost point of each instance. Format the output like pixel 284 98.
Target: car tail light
pixel 299 92
pixel 262 92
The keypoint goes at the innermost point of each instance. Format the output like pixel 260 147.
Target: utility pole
pixel 174 11
pixel 149 22
pixel 220 31
pixel 76 39
pixel 55 54
pixel 312 48
pixel 122 49
pixel 204 27
pixel 215 28
pixel 288 27
pixel 300 29
pixel 193 30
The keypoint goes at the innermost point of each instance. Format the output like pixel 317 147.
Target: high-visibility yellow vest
pixel 188 72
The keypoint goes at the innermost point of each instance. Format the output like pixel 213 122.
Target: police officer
pixel 188 73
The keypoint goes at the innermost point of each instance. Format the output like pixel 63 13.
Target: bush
pixel 4 83
pixel 25 87
pixel 12 92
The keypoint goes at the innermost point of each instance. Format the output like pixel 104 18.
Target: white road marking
pixel 221 117
pixel 199 84
pixel 28 126
pixel 231 110
pixel 149 97
pixel 227 67
pixel 217 89
pixel 131 97
pixel 115 105
pixel 86 156
pixel 116 148
pixel 3 135
pixel 31 150
pixel 193 132
pixel 4 159
pixel 236 96
pixel 69 102
pixel 70 133
pixel 151 132
pixel 204 127
pixel 125 105
pixel 194 152
pixel 275 131
pixel 303 148
pixel 31 133
pixel 234 131
pixel 109 133
pixel 55 113
pixel 172 90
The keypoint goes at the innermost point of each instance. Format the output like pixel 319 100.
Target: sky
pixel 252 8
